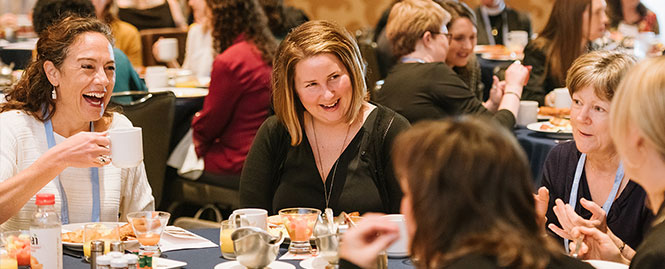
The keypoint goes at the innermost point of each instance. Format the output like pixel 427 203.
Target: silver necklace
pixel 326 193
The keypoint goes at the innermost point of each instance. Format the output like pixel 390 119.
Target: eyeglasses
pixel 444 31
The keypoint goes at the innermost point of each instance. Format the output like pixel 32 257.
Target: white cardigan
pixel 122 191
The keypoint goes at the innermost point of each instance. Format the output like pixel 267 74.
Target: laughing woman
pixel 52 133
pixel 326 146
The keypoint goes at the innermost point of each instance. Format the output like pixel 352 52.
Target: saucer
pixel 237 265
pixel 314 263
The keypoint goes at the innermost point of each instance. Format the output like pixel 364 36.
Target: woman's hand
pixel 361 245
pixel 542 199
pixel 495 94
pixel 83 150
pixel 597 245
pixel 517 75
pixel 569 219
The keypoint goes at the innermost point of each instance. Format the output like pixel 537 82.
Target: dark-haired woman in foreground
pixel 465 206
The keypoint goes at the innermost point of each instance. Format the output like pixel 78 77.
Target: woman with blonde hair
pixel 465 206
pixel 638 132
pixel 572 25
pixel 326 146
pixel 585 177
pixel 422 86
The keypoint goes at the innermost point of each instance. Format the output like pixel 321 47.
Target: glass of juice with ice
pixel 225 241
pixel 15 249
pixel 299 223
pixel 148 227
pixel 106 232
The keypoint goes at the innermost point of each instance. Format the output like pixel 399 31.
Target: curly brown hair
pixel 231 18
pixel 32 94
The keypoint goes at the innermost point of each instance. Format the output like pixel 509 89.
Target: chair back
pixel 149 36
pixel 153 112
pixel 368 50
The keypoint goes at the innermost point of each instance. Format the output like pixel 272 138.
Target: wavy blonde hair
pixel 409 20
pixel 310 39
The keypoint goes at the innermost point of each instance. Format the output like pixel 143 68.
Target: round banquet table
pixel 537 147
pixel 209 257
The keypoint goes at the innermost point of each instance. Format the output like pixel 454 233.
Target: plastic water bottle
pixel 45 229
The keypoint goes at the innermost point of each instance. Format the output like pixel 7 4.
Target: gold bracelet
pixel 511 92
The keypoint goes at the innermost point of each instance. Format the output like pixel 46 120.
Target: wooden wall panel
pixel 356 14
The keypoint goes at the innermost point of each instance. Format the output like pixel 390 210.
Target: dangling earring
pixel 53 94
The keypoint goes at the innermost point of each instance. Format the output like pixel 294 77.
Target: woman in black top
pixel 588 169
pixel 572 25
pixel 637 130
pixel 326 146
pixel 422 85
pixel 467 202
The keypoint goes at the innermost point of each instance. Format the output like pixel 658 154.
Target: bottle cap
pixel 114 255
pixel 103 260
pixel 45 199
pixel 118 263
pixel 131 258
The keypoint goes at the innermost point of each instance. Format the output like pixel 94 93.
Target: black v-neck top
pixel 629 218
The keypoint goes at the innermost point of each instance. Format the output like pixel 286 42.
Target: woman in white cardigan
pixel 53 133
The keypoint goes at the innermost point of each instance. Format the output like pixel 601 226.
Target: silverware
pixel 578 245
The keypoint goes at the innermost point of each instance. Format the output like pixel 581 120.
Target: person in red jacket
pixel 239 97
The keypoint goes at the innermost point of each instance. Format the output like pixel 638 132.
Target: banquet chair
pixel 153 112
pixel 220 192
pixel 149 36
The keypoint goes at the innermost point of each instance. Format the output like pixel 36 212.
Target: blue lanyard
pixel 94 179
pixel 576 186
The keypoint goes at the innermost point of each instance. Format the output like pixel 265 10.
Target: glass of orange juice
pixel 148 227
pixel 16 245
pixel 299 223
pixel 106 232
pixel 225 242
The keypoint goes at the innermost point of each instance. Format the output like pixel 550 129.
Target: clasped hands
pixel 598 241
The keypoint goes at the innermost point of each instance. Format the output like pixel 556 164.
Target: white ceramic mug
pixel 126 147
pixel 562 98
pixel 167 49
pixel 156 77
pixel 398 249
pixel 252 217
pixel 528 113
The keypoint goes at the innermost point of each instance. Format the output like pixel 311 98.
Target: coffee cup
pixel 126 147
pixel 250 217
pixel 399 248
pixel 167 49
pixel 562 98
pixel 156 77
pixel 528 113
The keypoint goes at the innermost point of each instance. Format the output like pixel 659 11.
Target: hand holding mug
pixel 84 150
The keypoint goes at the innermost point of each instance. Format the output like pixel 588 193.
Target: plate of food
pixel 72 234
pixel 548 112
pixel 556 127
pixel 183 92
pixel 480 49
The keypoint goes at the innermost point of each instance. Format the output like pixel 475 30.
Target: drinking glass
pixel 516 42
pixel 15 249
pixel 148 227
pixel 299 223
pixel 225 241
pixel 106 232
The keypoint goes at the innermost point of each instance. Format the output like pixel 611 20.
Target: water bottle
pixel 45 229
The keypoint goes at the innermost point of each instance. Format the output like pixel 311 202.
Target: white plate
pixel 77 226
pixel 183 92
pixel 178 72
pixel 314 263
pixel 166 263
pixel 606 265
pixel 237 265
pixel 563 133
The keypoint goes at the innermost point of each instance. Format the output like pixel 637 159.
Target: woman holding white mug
pixel 53 133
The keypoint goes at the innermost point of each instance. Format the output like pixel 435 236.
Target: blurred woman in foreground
pixel 465 206
pixel 638 132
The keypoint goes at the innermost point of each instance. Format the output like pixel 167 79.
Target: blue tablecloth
pixel 536 147
pixel 209 257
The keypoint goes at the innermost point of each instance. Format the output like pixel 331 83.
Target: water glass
pixel 299 223
pixel 148 227
pixel 225 241
pixel 106 232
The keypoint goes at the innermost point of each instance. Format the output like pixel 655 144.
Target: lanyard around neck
pixel 94 179
pixel 488 26
pixel 572 201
